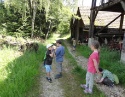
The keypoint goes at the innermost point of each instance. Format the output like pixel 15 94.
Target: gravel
pixel 50 89
pixel 116 91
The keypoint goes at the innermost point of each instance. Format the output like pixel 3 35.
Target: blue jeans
pixel 48 68
pixel 59 67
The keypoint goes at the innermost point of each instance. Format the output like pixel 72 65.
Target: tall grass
pixel 108 60
pixel 81 74
pixel 18 72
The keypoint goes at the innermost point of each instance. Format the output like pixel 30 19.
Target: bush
pixel 63 27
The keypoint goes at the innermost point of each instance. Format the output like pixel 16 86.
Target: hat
pixel 48 45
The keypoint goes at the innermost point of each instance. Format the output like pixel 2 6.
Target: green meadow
pixel 19 71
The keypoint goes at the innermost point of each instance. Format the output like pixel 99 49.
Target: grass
pixel 80 75
pixel 108 60
pixel 83 50
pixel 18 71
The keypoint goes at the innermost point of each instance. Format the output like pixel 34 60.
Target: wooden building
pixel 117 6
pixel 80 27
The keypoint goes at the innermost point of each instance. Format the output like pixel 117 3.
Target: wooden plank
pixel 106 5
pixel 123 4
pixel 109 23
pixel 95 16
pixel 121 23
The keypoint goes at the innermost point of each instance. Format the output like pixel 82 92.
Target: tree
pixel 34 4
pixel 40 17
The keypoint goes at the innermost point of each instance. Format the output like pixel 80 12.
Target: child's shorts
pixel 74 46
pixel 48 68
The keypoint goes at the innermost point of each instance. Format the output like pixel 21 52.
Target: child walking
pixel 48 61
pixel 74 44
pixel 92 67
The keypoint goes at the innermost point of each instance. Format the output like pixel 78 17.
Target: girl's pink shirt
pixel 91 67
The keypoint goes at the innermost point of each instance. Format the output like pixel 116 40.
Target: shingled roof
pixel 102 19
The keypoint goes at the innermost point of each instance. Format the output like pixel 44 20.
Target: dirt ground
pixel 63 87
pixel 53 89
pixel 116 91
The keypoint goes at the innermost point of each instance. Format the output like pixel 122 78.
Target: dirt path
pixel 53 89
pixel 116 91
pixel 63 87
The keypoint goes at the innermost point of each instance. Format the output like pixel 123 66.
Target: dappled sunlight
pixel 7 56
pixel 53 38
pixel 56 36
pixel 66 36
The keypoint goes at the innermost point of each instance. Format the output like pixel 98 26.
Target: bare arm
pixel 96 65
pixel 52 54
pixel 101 80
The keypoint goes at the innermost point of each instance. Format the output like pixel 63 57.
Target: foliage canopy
pixel 36 17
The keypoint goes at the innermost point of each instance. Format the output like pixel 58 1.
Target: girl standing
pixel 92 67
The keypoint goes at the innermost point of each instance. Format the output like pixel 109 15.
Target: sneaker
pixel 87 91
pixel 83 86
pixel 49 79
pixel 58 76
pixel 111 86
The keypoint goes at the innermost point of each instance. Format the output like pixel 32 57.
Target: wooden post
pixel 123 51
pixel 92 20
pixel 96 12
pixel 123 4
pixel 121 23
pixel 77 30
pixel 92 16
pixel 102 1
pixel 71 28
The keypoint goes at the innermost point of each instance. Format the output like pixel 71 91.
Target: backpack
pixel 116 79
pixel 44 58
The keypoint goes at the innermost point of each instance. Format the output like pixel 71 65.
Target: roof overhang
pixel 112 6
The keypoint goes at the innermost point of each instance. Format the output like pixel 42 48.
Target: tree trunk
pixel 40 29
pixel 24 13
pixel 30 6
pixel 46 36
pixel 33 18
